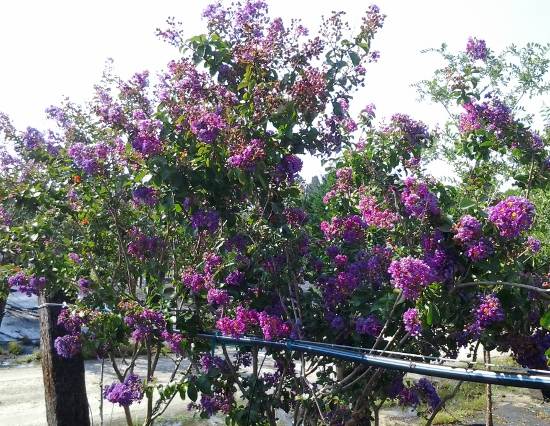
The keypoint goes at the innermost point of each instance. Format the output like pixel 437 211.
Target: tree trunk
pixel 64 384
pixel 2 309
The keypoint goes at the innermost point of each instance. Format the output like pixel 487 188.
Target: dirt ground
pixel 22 402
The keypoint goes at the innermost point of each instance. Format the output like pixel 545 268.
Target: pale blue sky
pixel 56 48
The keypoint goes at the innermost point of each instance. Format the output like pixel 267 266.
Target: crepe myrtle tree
pixel 167 210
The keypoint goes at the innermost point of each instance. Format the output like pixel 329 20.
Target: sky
pixel 52 49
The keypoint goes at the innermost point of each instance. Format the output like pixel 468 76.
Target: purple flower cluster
pixel 145 196
pixel 512 216
pixel 295 216
pixel 374 216
pixel 480 250
pixel 467 230
pixel 147 141
pixel 247 158
pixel 234 278
pixel 370 326
pixel 89 158
pixel 125 393
pixel 217 297
pixel 411 321
pixel 344 182
pixel 5 217
pixel 84 286
pixel 74 257
pixel 288 168
pixel 403 126
pixel 143 246
pixel 411 276
pixel 211 404
pixel 469 234
pixel 174 341
pixel 193 280
pixel 272 327
pixel 419 202
pixel 530 351
pixel 207 126
pixel 428 392
pixel 492 116
pixel 211 263
pixel 533 244
pixel 488 311
pixel 310 91
pixel 205 220
pixel 32 139
pixel 476 49
pixel 27 284
pixel 351 229
pixel 438 257
pixel 145 323
pixel 68 346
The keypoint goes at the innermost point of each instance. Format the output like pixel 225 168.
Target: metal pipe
pixel 455 373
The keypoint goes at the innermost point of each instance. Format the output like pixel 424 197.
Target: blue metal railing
pixel 533 381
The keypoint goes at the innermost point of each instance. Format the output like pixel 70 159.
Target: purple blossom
pixel 488 312
pixel 211 263
pixel 74 258
pixel 411 276
pixel 480 250
pixel 207 126
pixel 272 326
pixel 32 139
pixel 370 326
pixel 84 286
pixel 27 284
pixel 492 116
pixel 414 132
pixel 374 216
pixel 337 323
pixel 428 392
pixel 145 324
pixel 533 244
pixel 234 278
pixel 89 158
pixel 5 217
pixel 467 230
pixel 512 216
pixel 68 346
pixel 193 280
pixel 247 158
pixel 295 216
pixel 217 297
pixel 125 393
pixel 411 321
pixel 208 220
pixel 288 168
pixel 418 200
pixel 145 196
pixel 143 246
pixel 147 145
pixel 174 341
pixel 476 49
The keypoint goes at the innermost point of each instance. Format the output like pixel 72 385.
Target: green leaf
pixel 545 320
pixel 355 60
pixel 192 392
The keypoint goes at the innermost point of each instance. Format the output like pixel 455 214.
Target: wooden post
pixel 64 383
pixel 488 393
